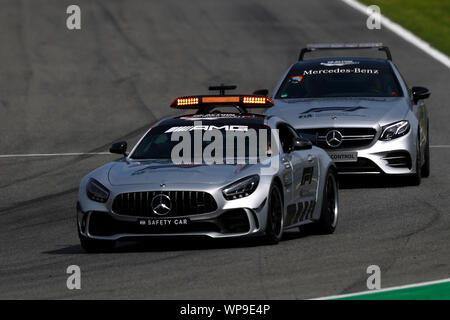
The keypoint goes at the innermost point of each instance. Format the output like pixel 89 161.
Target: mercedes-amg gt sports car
pixel 360 110
pixel 161 189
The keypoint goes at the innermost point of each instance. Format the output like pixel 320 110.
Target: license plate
pixel 343 156
pixel 158 223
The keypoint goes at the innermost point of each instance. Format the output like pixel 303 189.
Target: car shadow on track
pixel 72 249
pixel 376 181
pixel 165 244
pixel 186 243
pixel 183 244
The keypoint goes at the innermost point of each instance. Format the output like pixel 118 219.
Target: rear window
pixel 339 78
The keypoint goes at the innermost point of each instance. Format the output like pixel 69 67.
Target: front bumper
pixel 223 223
pixel 395 157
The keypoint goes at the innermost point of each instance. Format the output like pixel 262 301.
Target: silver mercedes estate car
pixel 360 110
pixel 151 192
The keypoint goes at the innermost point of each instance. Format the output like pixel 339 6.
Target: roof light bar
pixel 197 102
pixel 339 46
pixel 361 45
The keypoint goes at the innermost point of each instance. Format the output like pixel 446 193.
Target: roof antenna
pixel 222 88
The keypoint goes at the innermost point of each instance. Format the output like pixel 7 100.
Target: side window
pixel 294 132
pixel 402 78
pixel 286 137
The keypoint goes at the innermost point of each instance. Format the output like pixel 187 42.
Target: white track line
pixel 403 33
pixel 408 286
pixel 70 154
pixel 440 146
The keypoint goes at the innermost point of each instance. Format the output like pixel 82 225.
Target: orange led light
pixel 254 100
pixel 187 101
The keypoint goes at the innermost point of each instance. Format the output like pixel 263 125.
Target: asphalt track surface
pixel 78 91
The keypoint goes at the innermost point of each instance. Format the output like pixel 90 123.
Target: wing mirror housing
pixel 119 148
pixel 420 93
pixel 301 144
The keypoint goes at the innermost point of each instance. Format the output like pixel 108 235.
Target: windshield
pixel 339 78
pixel 192 142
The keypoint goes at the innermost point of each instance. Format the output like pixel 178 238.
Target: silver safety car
pixel 360 110
pixel 151 192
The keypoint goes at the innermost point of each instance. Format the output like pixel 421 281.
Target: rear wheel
pixel 274 227
pixel 330 205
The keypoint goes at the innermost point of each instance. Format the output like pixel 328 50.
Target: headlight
pixel 96 191
pixel 241 188
pixel 395 130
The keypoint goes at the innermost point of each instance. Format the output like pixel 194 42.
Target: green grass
pixel 427 19
pixel 440 291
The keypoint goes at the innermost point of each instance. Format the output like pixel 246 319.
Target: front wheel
pixel 275 221
pixel 426 165
pixel 416 178
pixel 330 205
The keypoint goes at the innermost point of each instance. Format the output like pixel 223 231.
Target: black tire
pixel 426 165
pixel 416 178
pixel 330 205
pixel 95 245
pixel 275 220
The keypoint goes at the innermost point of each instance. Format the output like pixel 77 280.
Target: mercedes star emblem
pixel 334 138
pixel 161 204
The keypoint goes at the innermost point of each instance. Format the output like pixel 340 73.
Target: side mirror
pixel 119 148
pixel 420 93
pixel 301 144
pixel 261 92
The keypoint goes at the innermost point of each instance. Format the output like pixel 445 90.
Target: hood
pixel 164 171
pixel 313 113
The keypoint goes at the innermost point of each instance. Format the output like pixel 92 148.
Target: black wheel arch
pixel 276 180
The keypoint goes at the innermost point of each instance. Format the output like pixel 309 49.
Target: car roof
pixel 222 118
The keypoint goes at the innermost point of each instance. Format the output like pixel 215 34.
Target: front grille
pixel 183 203
pixel 351 137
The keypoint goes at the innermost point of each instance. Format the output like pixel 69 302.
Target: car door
pixel 286 169
pixel 305 166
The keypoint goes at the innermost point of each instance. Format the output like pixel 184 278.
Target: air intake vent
pixel 398 159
